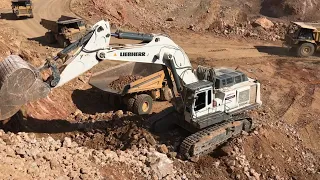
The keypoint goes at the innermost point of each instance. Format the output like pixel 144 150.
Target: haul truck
pixel 22 8
pixel 138 96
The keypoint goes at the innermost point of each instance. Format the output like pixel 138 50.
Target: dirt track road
pixel 53 9
pixel 46 9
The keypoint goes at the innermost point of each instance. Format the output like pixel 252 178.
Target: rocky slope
pixel 296 9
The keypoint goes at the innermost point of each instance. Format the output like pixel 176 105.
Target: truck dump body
pixel 62 21
pixel 307 25
pixel 50 25
pixel 153 77
pixel 65 30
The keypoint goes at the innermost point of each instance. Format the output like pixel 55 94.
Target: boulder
pixel 263 22
pixel 163 166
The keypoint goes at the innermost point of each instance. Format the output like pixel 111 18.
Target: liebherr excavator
pixel 211 103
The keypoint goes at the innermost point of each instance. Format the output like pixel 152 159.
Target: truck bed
pixel 152 73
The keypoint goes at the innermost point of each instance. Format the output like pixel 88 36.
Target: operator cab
pixel 198 96
pixel 210 100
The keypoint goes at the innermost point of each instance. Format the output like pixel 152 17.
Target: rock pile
pixel 119 83
pixel 47 158
pixel 239 165
pixel 260 28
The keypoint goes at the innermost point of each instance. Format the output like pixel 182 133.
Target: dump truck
pixel 22 8
pixel 302 38
pixel 65 30
pixel 151 85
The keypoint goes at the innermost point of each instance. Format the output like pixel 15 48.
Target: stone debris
pixel 48 158
pixel 122 81
pixel 162 166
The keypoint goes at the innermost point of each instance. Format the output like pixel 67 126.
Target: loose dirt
pixel 119 84
pixel 5 4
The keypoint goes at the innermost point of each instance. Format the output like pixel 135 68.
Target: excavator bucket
pixel 20 83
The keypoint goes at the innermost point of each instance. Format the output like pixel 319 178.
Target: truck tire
pixel 31 15
pixel 50 37
pixel 143 104
pixel 130 104
pixel 305 50
pixel 63 42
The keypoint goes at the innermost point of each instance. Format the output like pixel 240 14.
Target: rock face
pixel 263 22
pixel 301 9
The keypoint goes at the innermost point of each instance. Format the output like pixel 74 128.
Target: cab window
pixel 209 101
pixel 200 102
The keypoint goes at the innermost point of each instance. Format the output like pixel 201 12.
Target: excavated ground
pixel 109 142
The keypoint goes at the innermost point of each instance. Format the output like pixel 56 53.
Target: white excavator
pixel 211 103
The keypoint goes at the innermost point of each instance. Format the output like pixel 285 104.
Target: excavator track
pixel 205 141
pixel 19 84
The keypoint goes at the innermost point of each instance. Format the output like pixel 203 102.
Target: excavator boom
pixel 27 84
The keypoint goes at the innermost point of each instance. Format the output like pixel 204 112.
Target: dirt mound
pixel 140 14
pixel 230 18
pixel 118 84
pixel 115 130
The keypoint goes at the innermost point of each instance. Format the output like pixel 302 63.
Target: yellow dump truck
pixel 137 96
pixel 65 30
pixel 22 8
pixel 303 38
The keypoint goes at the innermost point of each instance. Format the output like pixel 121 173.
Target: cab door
pixel 203 103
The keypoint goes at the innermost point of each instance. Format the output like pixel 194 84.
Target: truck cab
pixel 22 8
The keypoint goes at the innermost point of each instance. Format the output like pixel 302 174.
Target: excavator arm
pixel 158 49
pixel 88 51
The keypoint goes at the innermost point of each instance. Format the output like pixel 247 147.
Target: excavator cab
pixel 218 96
pixel 199 100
